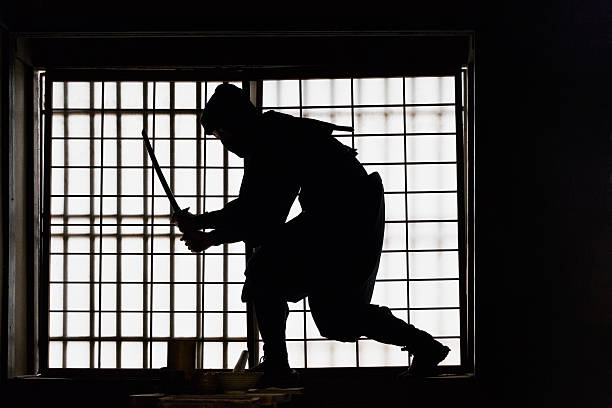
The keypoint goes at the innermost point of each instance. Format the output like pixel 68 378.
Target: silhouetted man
pixel 330 252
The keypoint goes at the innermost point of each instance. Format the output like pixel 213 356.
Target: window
pixel 121 283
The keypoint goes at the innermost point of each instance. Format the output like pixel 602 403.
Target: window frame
pixel 464 134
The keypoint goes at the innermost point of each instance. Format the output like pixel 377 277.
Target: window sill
pixel 323 387
pixel 333 373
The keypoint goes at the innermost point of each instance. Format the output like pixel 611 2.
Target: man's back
pixel 327 172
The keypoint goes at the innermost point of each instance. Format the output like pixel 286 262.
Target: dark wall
pixel 553 203
pixel 585 169
pixel 543 157
pixel 544 181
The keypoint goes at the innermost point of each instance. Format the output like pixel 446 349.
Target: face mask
pixel 231 141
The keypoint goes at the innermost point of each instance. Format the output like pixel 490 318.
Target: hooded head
pixel 230 115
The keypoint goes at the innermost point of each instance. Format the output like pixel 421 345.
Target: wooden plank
pixel 252 398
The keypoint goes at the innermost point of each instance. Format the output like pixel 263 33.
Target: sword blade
pixel 160 175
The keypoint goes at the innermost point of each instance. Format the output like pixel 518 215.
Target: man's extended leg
pixel 347 321
pixel 378 323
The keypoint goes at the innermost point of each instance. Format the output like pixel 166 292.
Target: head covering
pixel 229 107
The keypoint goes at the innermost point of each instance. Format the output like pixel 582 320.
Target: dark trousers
pixel 373 321
pixel 333 259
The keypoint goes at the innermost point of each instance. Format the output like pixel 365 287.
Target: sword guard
pixel 177 213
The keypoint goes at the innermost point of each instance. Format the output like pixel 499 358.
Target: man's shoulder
pixel 281 123
pixel 285 121
pixel 274 116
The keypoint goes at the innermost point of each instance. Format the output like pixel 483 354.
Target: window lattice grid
pixel 404 128
pixel 109 214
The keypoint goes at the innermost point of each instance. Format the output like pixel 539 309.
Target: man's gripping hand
pixel 197 241
pixel 185 221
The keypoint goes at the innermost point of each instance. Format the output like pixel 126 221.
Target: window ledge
pixel 323 387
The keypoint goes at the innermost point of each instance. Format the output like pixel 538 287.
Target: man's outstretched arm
pixel 187 222
pixel 266 194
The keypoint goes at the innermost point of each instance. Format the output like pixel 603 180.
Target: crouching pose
pixel 328 253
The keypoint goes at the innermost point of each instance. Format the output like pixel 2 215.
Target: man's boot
pixel 428 353
pixel 381 325
pixel 272 313
pixel 277 372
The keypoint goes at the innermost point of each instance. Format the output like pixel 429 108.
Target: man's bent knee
pixel 337 326
pixel 347 336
